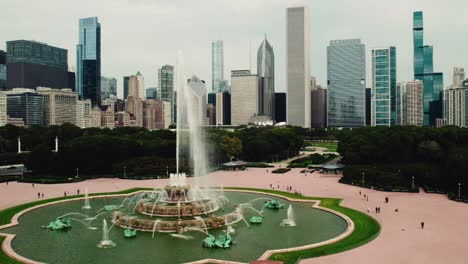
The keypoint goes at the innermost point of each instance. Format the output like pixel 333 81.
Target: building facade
pixel 108 87
pixel 297 66
pixel 266 75
pixel 150 93
pixel 458 76
pixel 245 96
pixel 199 99
pixel 83 113
pixel 136 86
pixel 88 60
pixel 134 106
pixel 31 64
pixel 455 105
pixel 384 94
pixel 223 108
pixel 3 70
pixel 59 106
pixel 433 82
pixel 27 105
pixel 3 109
pixel 411 103
pixel 280 107
pixel 126 80
pixel 166 88
pixel 217 66
pixel 319 108
pixel 346 74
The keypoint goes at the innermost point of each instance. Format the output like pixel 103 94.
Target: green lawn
pixel 366 228
pixel 330 146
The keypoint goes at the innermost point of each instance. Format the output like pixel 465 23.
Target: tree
pixel 231 146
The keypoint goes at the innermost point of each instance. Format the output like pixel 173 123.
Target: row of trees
pixel 106 152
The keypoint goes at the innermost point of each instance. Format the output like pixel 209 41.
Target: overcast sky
pixel 142 35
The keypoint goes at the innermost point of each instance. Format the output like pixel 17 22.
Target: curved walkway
pixel 401 240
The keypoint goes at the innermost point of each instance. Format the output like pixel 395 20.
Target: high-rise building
pixel 26 104
pixel 3 109
pixel 150 113
pixel 433 82
pixel 166 88
pixel 31 64
pixel 198 95
pixel 266 75
pixel 384 92
pixel 245 96
pixel 126 79
pixel 83 113
pixel 134 105
pixel 368 106
pixel 346 74
pixel 223 108
pixel 151 93
pixel 298 66
pixel 88 60
pixel 411 103
pixel 456 105
pixel 107 116
pixel 3 71
pixel 108 87
pixel 167 114
pixel 59 105
pixel 280 107
pixel 136 86
pixel 458 76
pixel 319 108
pixel 217 66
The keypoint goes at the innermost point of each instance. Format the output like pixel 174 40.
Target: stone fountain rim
pixel 8 249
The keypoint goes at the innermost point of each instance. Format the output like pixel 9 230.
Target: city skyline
pixel 146 55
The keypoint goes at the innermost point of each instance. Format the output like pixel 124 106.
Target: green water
pixel 78 245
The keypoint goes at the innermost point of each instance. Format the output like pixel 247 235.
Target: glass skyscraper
pixel 266 74
pixel 26 105
pixel 346 71
pixel 166 88
pixel 217 66
pixel 88 60
pixel 384 87
pixel 424 71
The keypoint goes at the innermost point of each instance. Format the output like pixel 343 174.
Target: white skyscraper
pixel 245 96
pixel 298 66
pixel 458 77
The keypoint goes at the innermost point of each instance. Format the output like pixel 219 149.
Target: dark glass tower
pixel 266 73
pixel 26 105
pixel 88 60
pixel 433 82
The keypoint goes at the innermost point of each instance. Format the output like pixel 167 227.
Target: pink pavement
pixel 443 239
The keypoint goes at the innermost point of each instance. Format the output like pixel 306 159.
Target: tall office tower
pixel 266 75
pixel 346 73
pixel 217 66
pixel 368 106
pixel 108 87
pixel 88 60
pixel 384 93
pixel 433 82
pixel 83 113
pixel 211 114
pixel 318 114
pixel 126 80
pixel 166 88
pixel 31 64
pixel 280 107
pixel 134 106
pixel 27 105
pixel 136 86
pixel 3 109
pixel 456 105
pixel 3 71
pixel 458 76
pixel 167 114
pixel 150 93
pixel 244 96
pixel 199 98
pixel 59 105
pixel 298 66
pixel 223 108
pixel 411 103
pixel 149 113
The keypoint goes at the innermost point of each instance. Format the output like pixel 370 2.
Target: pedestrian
pixel 33 185
pixel 6 183
pixel 376 210
pixel 364 195
pixel 396 210
pixel 78 191
pixel 367 198
pixel 42 195
pixel 422 225
pixel 65 194
pixel 368 210
pixel 359 192
pixel 278 186
pixel 267 170
pixel 270 185
pixel 38 195
pixel 386 199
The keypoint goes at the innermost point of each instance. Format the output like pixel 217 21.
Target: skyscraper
pixel 411 103
pixel 244 96
pixel 166 88
pixel 217 66
pixel 3 72
pixel 151 93
pixel 280 107
pixel 27 105
pixel 126 79
pixel 368 106
pixel 108 87
pixel 136 86
pixel 31 64
pixel 384 95
pixel 318 115
pixel 346 71
pixel 458 77
pixel 266 75
pixel 424 70
pixel 88 60
pixel 298 66
pixel 198 96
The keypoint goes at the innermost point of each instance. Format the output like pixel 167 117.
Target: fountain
pixel 105 242
pixel 86 206
pixel 290 220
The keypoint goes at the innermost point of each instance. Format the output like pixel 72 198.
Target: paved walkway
pixel 443 240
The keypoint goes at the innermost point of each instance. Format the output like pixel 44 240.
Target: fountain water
pixel 86 206
pixel 105 242
pixel 290 220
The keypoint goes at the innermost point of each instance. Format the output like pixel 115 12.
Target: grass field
pixel 330 146
pixel 365 227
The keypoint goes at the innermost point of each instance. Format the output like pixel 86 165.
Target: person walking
pixel 422 225
pixel 38 195
pixel 42 195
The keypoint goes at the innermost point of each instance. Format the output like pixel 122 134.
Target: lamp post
pixel 77 175
pixel 167 171
pixel 412 182
pixel 459 189
pixel 22 172
pixel 125 171
pixel 362 178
